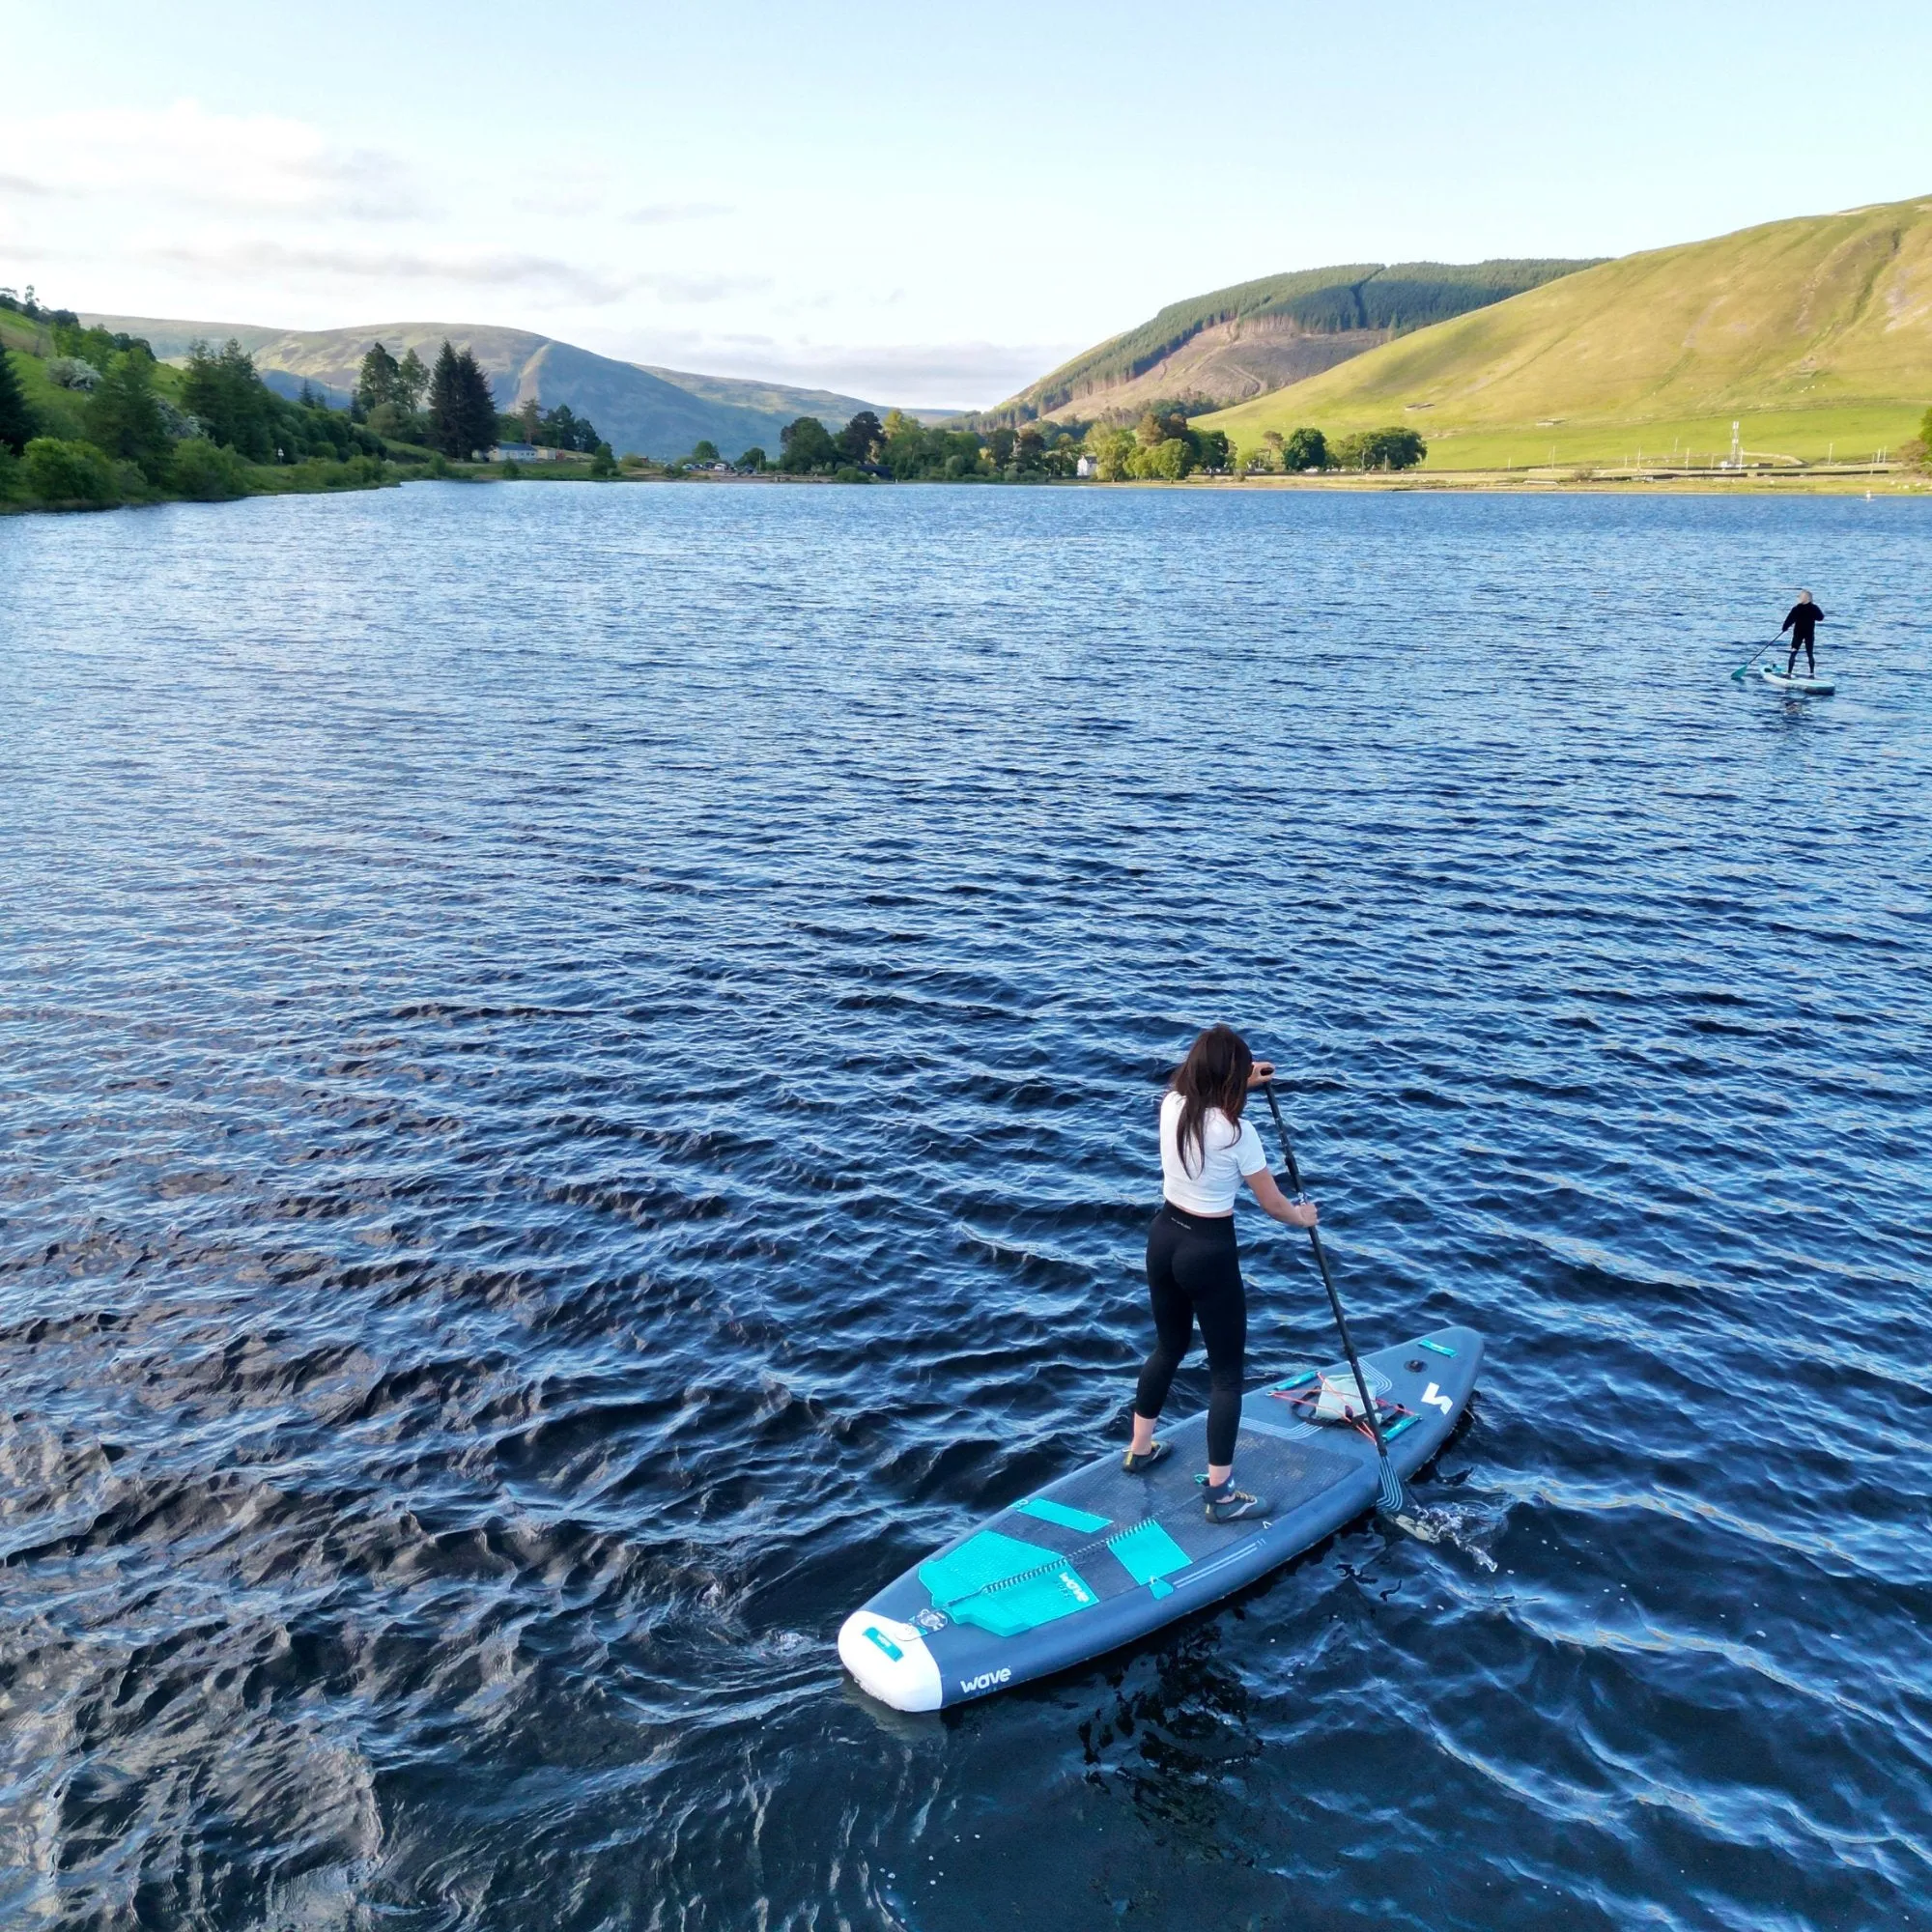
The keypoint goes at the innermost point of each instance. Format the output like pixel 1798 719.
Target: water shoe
pixel 1227 1504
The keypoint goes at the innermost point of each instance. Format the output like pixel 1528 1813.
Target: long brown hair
pixel 1214 1074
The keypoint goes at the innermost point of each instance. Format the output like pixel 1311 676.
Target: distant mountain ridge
pixel 656 412
pixel 1243 341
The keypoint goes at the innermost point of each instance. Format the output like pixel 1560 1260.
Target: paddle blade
pixel 1389 1501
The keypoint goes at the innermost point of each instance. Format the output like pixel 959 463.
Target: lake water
pixel 579 1069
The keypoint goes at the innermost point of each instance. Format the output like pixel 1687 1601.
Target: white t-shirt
pixel 1228 1152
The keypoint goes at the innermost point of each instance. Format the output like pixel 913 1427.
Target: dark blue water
pixel 579 1084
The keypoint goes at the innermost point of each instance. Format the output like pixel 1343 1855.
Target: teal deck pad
pixel 978 1563
pixel 1010 1609
pixel 1437 1348
pixel 1049 1511
pixel 1148 1553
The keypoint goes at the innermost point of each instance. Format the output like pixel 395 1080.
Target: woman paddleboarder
pixel 1194 1267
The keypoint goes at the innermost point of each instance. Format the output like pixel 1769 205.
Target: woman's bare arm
pixel 1295 1213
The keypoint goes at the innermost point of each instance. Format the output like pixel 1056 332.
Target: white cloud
pixel 255 256
pixel 185 154
pixel 657 214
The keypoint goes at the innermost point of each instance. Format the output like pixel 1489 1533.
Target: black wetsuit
pixel 1802 623
pixel 1194 1274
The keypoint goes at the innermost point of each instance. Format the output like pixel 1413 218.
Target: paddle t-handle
pixel 1389 1499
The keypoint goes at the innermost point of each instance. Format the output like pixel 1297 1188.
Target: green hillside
pixel 1813 334
pixel 1344 310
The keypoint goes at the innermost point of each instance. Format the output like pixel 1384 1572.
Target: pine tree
pixel 479 404
pixel 411 380
pixel 124 414
pixel 18 427
pixel 446 428
pixel 376 381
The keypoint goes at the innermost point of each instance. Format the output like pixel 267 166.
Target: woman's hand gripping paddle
pixel 1389 1500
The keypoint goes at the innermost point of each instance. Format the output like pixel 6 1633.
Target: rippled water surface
pixel 579 1088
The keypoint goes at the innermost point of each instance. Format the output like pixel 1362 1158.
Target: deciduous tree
pixel 806 445
pixel 859 442
pixel 1305 449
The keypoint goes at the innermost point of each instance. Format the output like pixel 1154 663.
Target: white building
pixel 1085 466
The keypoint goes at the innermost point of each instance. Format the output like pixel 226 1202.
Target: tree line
pixel 1162 446
pixel 451 410
pixel 119 428
pixel 108 425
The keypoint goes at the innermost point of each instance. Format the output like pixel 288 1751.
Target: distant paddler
pixel 1801 621
pixel 1193 1266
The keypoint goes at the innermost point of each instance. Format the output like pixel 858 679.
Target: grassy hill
pixel 1242 341
pixel 1815 335
pixel 659 412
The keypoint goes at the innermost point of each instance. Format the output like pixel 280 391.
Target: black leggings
pixel 1798 644
pixel 1194 1273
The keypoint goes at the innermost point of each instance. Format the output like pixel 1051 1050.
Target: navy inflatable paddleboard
pixel 1100 1557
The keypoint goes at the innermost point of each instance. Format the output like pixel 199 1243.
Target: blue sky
pixel 915 204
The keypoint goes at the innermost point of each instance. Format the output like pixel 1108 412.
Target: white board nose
pixel 890 1661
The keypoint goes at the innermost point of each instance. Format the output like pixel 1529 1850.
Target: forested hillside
pixel 1242 341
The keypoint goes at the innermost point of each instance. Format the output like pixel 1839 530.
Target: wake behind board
pixel 1802 686
pixel 1100 1558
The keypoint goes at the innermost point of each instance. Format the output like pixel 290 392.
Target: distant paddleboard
pixel 1802 686
pixel 1101 1558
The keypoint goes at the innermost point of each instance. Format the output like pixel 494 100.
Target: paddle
pixel 1390 1499
pixel 1744 671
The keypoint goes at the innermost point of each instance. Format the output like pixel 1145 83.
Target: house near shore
pixel 529 452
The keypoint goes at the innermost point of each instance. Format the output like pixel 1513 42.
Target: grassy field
pixel 1852 433
pixel 1815 335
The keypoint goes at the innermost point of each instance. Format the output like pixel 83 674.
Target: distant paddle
pixel 1744 671
pixel 1390 1499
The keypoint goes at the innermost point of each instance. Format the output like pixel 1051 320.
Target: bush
pixel 603 465
pixel 10 475
pixel 70 475
pixel 206 472
pixel 69 372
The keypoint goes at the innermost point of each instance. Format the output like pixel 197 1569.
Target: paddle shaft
pixel 1334 1299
